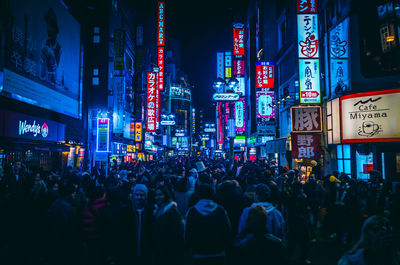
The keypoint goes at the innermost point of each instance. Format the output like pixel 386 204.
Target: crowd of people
pixel 189 211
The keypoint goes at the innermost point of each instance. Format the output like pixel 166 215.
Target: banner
pixel 264 75
pixel 238 41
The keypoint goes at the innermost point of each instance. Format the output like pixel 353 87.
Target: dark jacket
pixel 168 235
pixel 90 218
pixel 208 230
pixel 259 249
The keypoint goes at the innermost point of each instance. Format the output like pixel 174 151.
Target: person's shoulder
pixel 353 258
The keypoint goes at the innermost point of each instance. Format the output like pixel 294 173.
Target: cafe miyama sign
pixel 371 116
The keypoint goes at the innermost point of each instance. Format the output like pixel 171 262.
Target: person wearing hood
pixel 168 229
pixel 207 230
pixel 275 222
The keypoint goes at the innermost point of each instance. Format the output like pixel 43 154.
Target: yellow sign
pixel 138 131
pixel 130 148
pixel 228 72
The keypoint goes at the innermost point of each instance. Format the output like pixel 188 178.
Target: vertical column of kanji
pixel 151 102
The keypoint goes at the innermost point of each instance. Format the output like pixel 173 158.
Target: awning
pixel 276 146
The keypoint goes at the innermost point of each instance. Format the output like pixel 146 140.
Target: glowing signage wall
pixel 309 81
pixel 151 101
pixel 264 106
pixel 264 75
pixel 103 129
pixel 238 40
pixel 161 24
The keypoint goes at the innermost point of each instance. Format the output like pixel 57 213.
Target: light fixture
pixel 389 38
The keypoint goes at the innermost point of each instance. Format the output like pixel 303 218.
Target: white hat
pixel 200 166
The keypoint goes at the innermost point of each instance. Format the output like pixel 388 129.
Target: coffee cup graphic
pixel 369 128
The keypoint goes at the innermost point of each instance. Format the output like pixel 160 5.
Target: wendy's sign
pixel 18 125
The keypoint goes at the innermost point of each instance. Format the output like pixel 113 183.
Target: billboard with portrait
pixel 42 58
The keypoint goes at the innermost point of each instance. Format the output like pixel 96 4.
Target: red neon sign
pixel 160 62
pixel 306 6
pixel 238 41
pixel 264 75
pixel 151 101
pixel 221 128
pixel 238 67
pixel 161 24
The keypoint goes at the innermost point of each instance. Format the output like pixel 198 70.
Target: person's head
pixel 262 193
pixel 67 191
pixel 376 234
pixel 182 185
pixel 257 220
pixel 162 195
pixel 140 195
pixel 205 191
pixel 99 192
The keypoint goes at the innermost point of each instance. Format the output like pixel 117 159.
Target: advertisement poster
pixel 41 60
pixel 371 117
pixel 305 146
pixel 264 106
pixel 239 115
pixel 309 81
pixel 307 31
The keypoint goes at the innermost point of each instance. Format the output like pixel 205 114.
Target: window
pixel 96 35
pixel 344 159
pixel 95 78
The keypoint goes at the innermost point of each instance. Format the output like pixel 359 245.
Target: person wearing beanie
pixel 275 222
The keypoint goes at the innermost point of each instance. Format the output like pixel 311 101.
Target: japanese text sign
pixel 305 146
pixel 238 67
pixel 264 75
pixel 220 64
pixel 265 106
pixel 306 119
pixel 103 128
pixel 309 81
pixel 161 24
pixel 138 131
pixel 228 59
pixel 238 41
pixel 307 31
pixel 151 101
pixel 240 115
pixel 307 6
pixel 160 63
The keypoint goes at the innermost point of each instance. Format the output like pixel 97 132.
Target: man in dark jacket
pixel 207 230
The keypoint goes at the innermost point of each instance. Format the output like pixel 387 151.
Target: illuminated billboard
pixel 264 75
pixel 309 81
pixel 238 67
pixel 220 64
pixel 240 107
pixel 238 40
pixel 103 131
pixel 151 102
pixel 265 106
pixel 307 6
pixel 42 57
pixel 160 63
pixel 308 43
pixel 161 24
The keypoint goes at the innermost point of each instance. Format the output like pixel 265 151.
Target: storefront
pixel 35 141
pixel 365 134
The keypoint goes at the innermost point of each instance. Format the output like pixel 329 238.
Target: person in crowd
pixel 182 194
pixel 207 229
pixel 375 246
pixel 275 222
pixel 143 223
pixel 168 229
pixel 255 245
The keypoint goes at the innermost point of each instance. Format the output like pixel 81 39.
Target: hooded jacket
pixel 275 222
pixel 207 229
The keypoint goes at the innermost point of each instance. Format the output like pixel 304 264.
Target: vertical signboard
pixel 305 146
pixel 151 102
pixel 103 129
pixel 306 119
pixel 308 52
pixel 138 131
pixel 238 39
pixel 119 49
pixel 160 63
pixel 220 124
pixel 309 81
pixel 264 75
pixel 265 106
pixel 161 24
pixel 220 64
pixel 119 99
pixel 228 64
pixel 240 115
pixel 339 56
pixel 238 68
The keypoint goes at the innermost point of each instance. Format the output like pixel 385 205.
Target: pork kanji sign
pixel 305 146
pixel 306 119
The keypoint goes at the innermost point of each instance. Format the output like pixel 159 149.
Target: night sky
pixel 204 28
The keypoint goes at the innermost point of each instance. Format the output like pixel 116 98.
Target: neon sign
pixel 151 102
pixel 161 24
pixel 103 128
